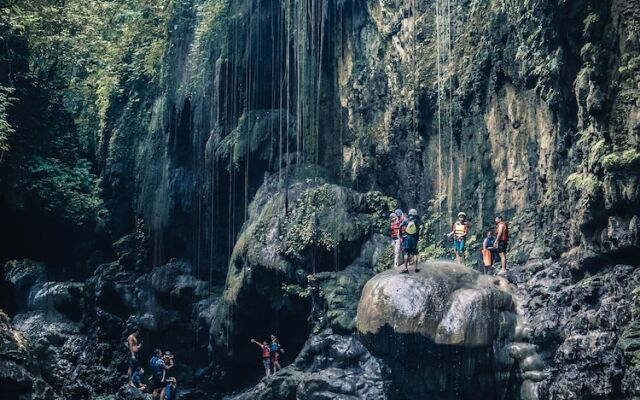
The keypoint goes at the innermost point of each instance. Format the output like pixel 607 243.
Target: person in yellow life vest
pixel 459 231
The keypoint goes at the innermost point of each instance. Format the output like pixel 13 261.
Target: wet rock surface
pixel 330 366
pixel 582 324
pixel 441 330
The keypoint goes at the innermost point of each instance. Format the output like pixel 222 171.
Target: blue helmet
pixel 399 212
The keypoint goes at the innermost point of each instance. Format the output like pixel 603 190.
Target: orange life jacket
pixel 266 352
pixel 504 236
pixel 395 228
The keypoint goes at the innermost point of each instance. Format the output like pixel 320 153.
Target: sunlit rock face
pixel 445 331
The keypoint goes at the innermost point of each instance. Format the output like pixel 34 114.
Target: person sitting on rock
pixel 266 355
pixel 502 241
pixel 137 379
pixel 275 350
pixel 134 347
pixel 170 389
pixel 158 371
pixel 396 240
pixel 459 231
pixel 488 252
pixel 410 231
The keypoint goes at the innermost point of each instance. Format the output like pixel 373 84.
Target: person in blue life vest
pixel 275 350
pixel 489 254
pixel 459 231
pixel 410 232
pixel 158 373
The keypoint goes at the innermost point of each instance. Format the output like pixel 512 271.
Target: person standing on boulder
pixel 459 231
pixel 275 349
pixel 134 347
pixel 488 251
pixel 410 231
pixel 502 241
pixel 395 237
pixel 266 355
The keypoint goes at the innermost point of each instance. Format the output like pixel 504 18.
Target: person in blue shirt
pixel 276 349
pixel 170 389
pixel 158 371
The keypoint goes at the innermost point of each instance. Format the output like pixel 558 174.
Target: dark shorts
pixel 458 245
pixel 266 363
pixel 502 246
pixel 275 357
pixel 410 245
pixel 132 363
pixel 158 385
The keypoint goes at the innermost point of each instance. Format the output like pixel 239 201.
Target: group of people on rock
pixel 270 352
pixel 405 233
pixel 161 385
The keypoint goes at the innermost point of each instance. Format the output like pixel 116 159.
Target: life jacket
pixel 157 368
pixel 266 353
pixel 395 229
pixel 411 228
pixel 275 347
pixel 460 228
pixel 504 236
pixel 489 242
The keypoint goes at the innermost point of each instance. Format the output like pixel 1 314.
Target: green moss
pixel 586 186
pixel 304 228
pixel 627 160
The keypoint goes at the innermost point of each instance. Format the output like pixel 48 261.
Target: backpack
pixel 411 228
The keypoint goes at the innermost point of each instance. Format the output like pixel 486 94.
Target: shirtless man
pixel 134 347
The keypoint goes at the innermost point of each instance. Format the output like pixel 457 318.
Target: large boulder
pixel 444 330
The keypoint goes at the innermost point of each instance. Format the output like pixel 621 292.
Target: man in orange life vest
pixel 459 231
pixel 502 241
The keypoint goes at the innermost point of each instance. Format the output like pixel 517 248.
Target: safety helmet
pixel 392 215
pixel 399 212
pixel 462 214
pixel 413 212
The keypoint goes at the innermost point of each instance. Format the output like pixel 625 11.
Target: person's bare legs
pixel 415 263
pixel 406 262
pixel 503 261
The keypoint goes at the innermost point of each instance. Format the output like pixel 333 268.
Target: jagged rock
pixel 26 276
pixel 61 297
pixel 583 329
pixel 20 376
pixel 330 366
pixel 127 392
